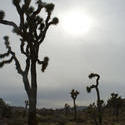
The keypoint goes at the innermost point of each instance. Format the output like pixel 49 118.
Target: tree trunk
pixel 99 107
pixel 33 96
pixel 25 111
pixel 32 112
pixel 75 112
pixel 117 113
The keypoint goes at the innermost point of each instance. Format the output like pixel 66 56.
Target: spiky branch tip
pixel 91 75
pixel 88 89
pixel 15 2
pixel 55 21
pixel 49 7
pixel 45 63
pixel 2 14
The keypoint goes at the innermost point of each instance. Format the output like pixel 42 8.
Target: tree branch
pixel 47 25
pixel 18 67
pixel 44 63
pixel 39 62
pixel 38 10
pixel 93 86
pixel 4 55
pixel 25 52
pixel 26 84
pixel 27 66
pixel 20 12
pixel 6 62
pixel 10 23
pixel 27 3
pixel 22 47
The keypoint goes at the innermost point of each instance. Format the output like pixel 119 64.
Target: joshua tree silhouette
pixel 116 102
pixel 74 94
pixel 67 109
pixel 26 107
pixel 99 102
pixel 32 31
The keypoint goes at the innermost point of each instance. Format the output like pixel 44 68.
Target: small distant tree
pixel 67 109
pixel 26 104
pixel 32 29
pixel 74 94
pixel 26 107
pixel 115 102
pixel 99 101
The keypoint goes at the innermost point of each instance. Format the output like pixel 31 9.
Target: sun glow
pixel 76 23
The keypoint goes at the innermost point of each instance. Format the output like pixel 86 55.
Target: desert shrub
pixel 115 102
pixel 16 122
pixel 5 110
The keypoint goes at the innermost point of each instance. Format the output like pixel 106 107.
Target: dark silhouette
pixel 92 111
pixel 26 107
pixel 115 102
pixel 74 94
pixel 67 109
pixel 5 109
pixel 99 102
pixel 32 30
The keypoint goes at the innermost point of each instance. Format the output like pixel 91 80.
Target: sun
pixel 76 22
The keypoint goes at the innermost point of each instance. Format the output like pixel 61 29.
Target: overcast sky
pixel 72 57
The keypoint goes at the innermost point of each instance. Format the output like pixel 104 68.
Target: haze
pixel 72 58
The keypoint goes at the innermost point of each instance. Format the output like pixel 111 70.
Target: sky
pixel 73 53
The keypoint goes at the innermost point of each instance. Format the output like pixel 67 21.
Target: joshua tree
pixel 31 30
pixel 67 109
pixel 26 106
pixel 74 94
pixel 99 102
pixel 115 102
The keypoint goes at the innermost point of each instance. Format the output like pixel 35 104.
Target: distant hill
pixel 80 108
